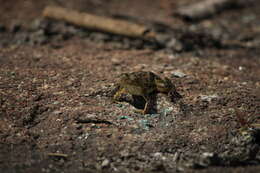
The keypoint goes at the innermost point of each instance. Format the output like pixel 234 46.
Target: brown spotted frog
pixel 145 84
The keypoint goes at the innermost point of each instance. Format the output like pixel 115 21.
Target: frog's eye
pixel 159 82
pixel 124 75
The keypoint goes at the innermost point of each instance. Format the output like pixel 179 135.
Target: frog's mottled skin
pixel 144 84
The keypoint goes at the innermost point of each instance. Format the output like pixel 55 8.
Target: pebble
pixel 209 98
pixel 174 44
pixel 126 117
pixel 57 112
pixel 145 124
pixel 105 163
pixel 178 74
pixel 56 102
pixel 209 159
pixel 159 155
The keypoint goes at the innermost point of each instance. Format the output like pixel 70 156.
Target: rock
pixel 125 117
pixel 56 102
pixel 39 24
pixel 116 61
pixel 136 43
pixel 145 124
pixel 98 36
pixel 162 38
pixel 105 163
pixel 38 37
pixel 57 112
pixel 208 98
pixel 178 74
pixel 209 159
pixel 169 41
pixel 174 44
pixel 157 154
pixel 21 38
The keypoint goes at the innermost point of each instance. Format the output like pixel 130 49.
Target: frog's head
pixel 124 77
pixel 164 85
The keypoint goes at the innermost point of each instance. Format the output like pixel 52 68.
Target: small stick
pixel 59 155
pixel 93 22
pixel 95 121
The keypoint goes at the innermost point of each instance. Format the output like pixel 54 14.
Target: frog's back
pixel 138 83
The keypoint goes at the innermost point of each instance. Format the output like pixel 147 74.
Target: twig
pixel 105 24
pixel 59 155
pixel 95 121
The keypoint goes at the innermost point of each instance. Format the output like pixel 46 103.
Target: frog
pixel 144 84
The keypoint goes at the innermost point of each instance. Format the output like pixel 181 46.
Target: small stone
pixel 126 117
pixel 86 95
pixel 209 98
pixel 21 38
pixel 56 102
pixel 145 124
pixel 178 74
pixel 38 37
pixel 162 38
pixel 97 36
pixel 207 154
pixel 124 153
pixel 209 159
pixel 174 44
pixel 157 154
pixel 57 112
pixel 226 78
pixel 116 61
pixel 140 67
pixel 240 68
pixel 172 57
pixel 83 136
pixel 39 24
pixel 105 163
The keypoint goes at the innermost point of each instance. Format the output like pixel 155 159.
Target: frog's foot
pixel 146 109
pixel 118 95
pixel 140 111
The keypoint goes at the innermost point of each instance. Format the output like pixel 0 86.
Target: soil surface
pixel 57 83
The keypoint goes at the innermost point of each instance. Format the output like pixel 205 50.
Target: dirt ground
pixel 56 80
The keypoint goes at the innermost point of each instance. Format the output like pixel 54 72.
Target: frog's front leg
pixel 122 95
pixel 146 108
pixel 148 105
pixel 118 95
